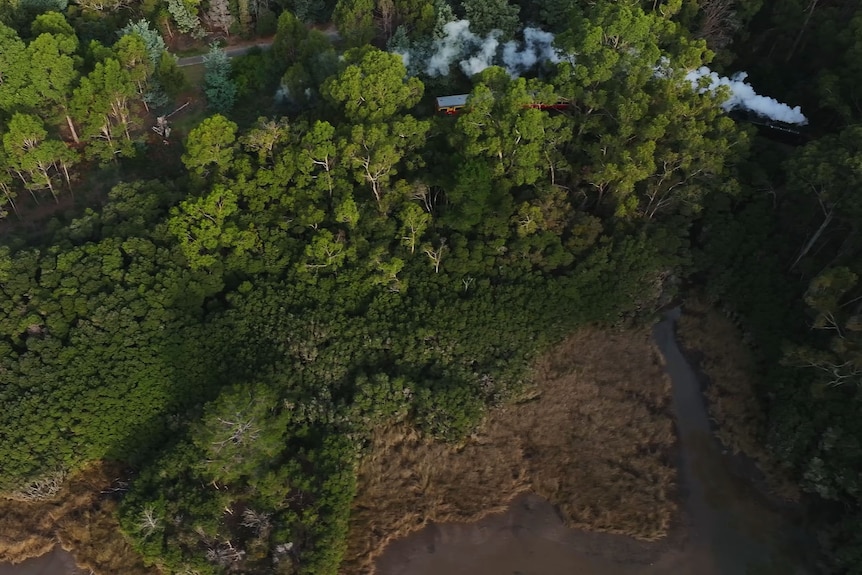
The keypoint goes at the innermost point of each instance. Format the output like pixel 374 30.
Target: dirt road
pixel 231 51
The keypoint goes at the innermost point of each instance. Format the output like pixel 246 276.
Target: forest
pixel 231 306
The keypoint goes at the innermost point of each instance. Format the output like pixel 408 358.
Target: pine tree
pixel 219 88
pixel 187 20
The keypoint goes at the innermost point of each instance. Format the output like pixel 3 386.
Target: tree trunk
pixel 811 8
pixel 826 221
pixel 72 129
pixel 9 199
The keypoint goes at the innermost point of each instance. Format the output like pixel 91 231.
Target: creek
pixel 726 526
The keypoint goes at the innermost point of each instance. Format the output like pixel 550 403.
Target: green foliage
pixel 488 15
pixel 15 90
pixel 267 23
pixel 102 104
pixel 354 21
pixel 169 75
pixel 185 14
pixel 155 44
pixel 36 159
pixel 289 38
pixel 209 146
pixel 373 86
pixel 219 88
pixel 55 23
pixel 238 331
pixel 204 230
pixel 310 11
pixel 253 72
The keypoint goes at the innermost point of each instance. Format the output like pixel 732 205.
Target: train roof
pixel 449 101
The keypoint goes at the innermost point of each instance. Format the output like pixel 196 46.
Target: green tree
pixel 8 197
pixel 185 14
pixel 157 53
pixel 443 14
pixel 375 151
pixel 475 203
pixel 207 232
pixel 55 23
pixel 132 53
pixel 502 127
pixel 102 104
pixel 210 146
pixel 486 16
pixel 15 90
pixel 290 36
pixel 414 221
pixel 155 44
pixel 37 160
pixel 355 22
pixel 418 16
pixel 827 173
pixel 218 86
pixel 169 75
pixel 373 86
pixel 54 74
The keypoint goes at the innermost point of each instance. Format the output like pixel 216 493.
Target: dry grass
pixel 592 436
pixel 733 405
pixel 80 519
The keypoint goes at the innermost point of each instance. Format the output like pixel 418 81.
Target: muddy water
pixel 726 527
pixel 57 562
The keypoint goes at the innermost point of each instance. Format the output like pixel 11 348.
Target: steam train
pixel 452 105
pixel 783 132
pixel 790 134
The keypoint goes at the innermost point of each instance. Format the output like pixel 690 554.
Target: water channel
pixel 726 528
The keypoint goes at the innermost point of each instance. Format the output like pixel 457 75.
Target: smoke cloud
pixel 538 47
pixel 474 53
pixel 744 96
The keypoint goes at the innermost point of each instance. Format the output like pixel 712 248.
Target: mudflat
pixel 592 435
pixel 725 527
pixel 531 539
pixel 57 562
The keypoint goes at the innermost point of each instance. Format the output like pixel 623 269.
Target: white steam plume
pixel 474 54
pixel 484 57
pixel 742 95
pixel 538 47
pixel 453 45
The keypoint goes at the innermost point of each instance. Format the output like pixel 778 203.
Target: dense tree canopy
pixel 243 306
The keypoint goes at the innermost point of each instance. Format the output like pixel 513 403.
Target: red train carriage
pixel 452 105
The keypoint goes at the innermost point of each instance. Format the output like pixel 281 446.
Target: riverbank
pixel 717 350
pixel 80 517
pixel 593 436
pixel 725 528
pixel 57 561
